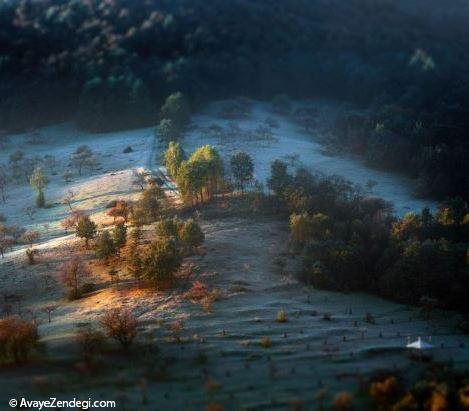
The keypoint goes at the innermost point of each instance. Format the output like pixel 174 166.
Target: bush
pixel 191 234
pixel 17 339
pixel 265 342
pixel 282 316
pixel 121 325
pixel 91 341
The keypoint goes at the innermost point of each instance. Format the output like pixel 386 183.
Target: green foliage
pixel 242 168
pixel 279 178
pixel 160 261
pixel 119 236
pixel 176 108
pixel 168 227
pixel 200 176
pixel 149 206
pixel 86 229
pixel 167 130
pixel 173 157
pixel 350 242
pixel 39 181
pixel 105 247
pixel 191 234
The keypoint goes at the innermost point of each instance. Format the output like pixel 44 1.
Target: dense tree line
pixel 350 242
pixel 109 64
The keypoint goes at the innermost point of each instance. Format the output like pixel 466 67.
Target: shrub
pixel 282 316
pixel 168 227
pixel 384 392
pixel 121 325
pixel 105 247
pixel 265 342
pixel 17 339
pixel 91 341
pixel 343 401
pixel 72 273
pixel 191 234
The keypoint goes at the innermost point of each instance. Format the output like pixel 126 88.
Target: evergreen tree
pixel 86 228
pixel 105 247
pixel 191 234
pixel 119 235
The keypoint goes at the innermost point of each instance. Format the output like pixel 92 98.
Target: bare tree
pixel 48 309
pixel 139 178
pixel 121 325
pixel 31 236
pixel 30 212
pixel 82 157
pixel 68 199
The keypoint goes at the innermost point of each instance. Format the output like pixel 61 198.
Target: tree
pixel 73 272
pixel 72 220
pixel 121 209
pixel 160 261
pixel 3 182
pixel 82 157
pixel 168 227
pixel 121 325
pixel 39 181
pixel 105 246
pixel 167 130
pixel 176 108
pixel 242 168
pixel 148 207
pixel 279 178
pixel 48 309
pixel 67 175
pixel 31 236
pixel 68 199
pixel 140 178
pixel 191 180
pixel 17 339
pixel 6 241
pixel 119 235
pixel 191 234
pixel 173 157
pixel 300 228
pixel 86 228
pixel 200 176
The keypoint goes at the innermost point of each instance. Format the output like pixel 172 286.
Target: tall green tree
pixel 119 235
pixel 176 108
pixel 86 229
pixel 105 247
pixel 279 178
pixel 160 261
pixel 173 157
pixel 39 181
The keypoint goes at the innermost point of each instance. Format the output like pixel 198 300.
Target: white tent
pixel 419 345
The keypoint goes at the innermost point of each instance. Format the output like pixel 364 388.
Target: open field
pixel 232 352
